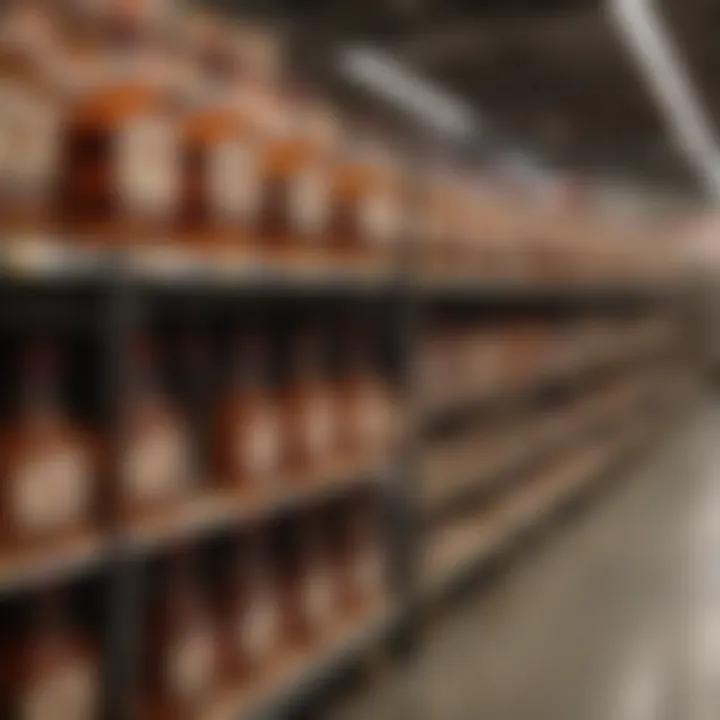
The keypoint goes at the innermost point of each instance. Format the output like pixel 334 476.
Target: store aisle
pixel 616 616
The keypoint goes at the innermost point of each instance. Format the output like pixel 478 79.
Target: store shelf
pixel 49 262
pixel 567 290
pixel 584 373
pixel 297 675
pixel 44 564
pixel 496 456
pixel 217 511
pixel 461 550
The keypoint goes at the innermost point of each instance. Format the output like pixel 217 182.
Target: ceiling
pixel 548 75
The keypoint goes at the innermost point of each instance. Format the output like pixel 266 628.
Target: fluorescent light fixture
pixel 423 100
pixel 662 68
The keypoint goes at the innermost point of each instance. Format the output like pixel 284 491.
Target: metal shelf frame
pixel 104 299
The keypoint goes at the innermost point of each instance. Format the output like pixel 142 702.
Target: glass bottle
pixel 48 485
pixel 248 423
pixel 56 672
pixel 156 470
pixel 252 610
pixel 310 407
pixel 182 651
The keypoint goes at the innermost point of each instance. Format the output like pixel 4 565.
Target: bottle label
pixel 309 203
pixel 156 465
pixel 258 445
pixel 257 632
pixel 191 665
pixel 379 218
pixel 51 491
pixel 318 427
pixel 318 601
pixel 69 693
pixel 234 183
pixel 369 573
pixel 373 420
pixel 148 166
pixel 29 137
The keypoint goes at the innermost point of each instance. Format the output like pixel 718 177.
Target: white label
pixel 318 599
pixel 379 218
pixel 50 492
pixel 257 632
pixel 191 665
pixel 156 464
pixel 148 166
pixel 309 202
pixel 258 445
pixel 318 427
pixel 70 693
pixel 373 420
pixel 29 136
pixel 368 573
pixel 234 185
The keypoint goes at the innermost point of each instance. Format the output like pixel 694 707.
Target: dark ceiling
pixel 551 75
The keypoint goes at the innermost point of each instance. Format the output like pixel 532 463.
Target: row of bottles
pixel 129 137
pixel 275 593
pixel 164 126
pixel 263 434
pixel 478 359
pixel 56 669
pixel 329 572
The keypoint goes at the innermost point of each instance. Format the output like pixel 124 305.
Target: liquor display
pixel 31 116
pixel 251 608
pixel 310 585
pixel 156 471
pixel 368 204
pixel 49 484
pixel 367 414
pixel 249 432
pixel 55 671
pixel 358 554
pixel 310 407
pixel 182 659
pixel 236 516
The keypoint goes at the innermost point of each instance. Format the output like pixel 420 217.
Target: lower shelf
pixel 298 674
pixel 462 548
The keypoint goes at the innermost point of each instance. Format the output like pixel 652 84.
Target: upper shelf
pixel 46 262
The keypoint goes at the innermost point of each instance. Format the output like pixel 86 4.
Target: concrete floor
pixel 613 616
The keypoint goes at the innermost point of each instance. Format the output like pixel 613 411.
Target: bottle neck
pixel 49 615
pixel 40 401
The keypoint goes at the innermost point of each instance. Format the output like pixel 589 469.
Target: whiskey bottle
pixel 182 670
pixel 249 426
pixel 367 412
pixel 252 610
pixel 310 585
pixel 48 468
pixel 55 671
pixel 31 117
pixel 310 407
pixel 157 462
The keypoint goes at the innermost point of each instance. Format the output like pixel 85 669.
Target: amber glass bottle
pixel 55 674
pixel 221 195
pixel 358 554
pixel 156 469
pixel 368 206
pixel 182 658
pixel 310 584
pixel 249 427
pixel 251 610
pixel 47 462
pixel 31 116
pixel 367 410
pixel 310 407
